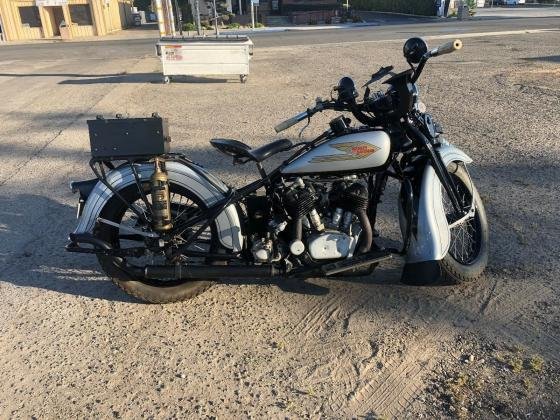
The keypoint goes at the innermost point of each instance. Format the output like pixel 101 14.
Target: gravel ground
pixel 73 345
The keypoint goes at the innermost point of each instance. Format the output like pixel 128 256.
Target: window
pixel 80 14
pixel 29 16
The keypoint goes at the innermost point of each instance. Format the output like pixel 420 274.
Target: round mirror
pixel 414 49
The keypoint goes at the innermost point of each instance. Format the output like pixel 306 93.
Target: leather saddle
pixel 242 153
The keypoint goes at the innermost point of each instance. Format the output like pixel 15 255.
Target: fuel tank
pixel 365 150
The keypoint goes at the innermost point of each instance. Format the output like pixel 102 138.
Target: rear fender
pixel 431 239
pixel 205 186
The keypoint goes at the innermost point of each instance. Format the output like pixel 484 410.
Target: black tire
pixel 152 291
pixel 468 266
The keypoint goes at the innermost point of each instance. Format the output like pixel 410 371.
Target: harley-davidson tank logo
pixel 352 150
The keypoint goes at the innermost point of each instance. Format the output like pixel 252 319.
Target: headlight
pixel 420 106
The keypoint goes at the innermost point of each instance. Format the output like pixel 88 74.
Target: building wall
pixel 106 16
pixel 13 29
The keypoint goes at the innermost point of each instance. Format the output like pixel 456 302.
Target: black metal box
pixel 128 137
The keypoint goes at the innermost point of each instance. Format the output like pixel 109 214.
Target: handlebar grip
pixel 289 122
pixel 448 47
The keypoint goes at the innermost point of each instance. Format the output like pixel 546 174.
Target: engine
pixel 328 218
pixel 311 218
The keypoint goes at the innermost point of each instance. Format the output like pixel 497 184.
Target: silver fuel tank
pixel 355 151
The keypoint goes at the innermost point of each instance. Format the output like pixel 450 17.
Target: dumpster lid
pixel 183 39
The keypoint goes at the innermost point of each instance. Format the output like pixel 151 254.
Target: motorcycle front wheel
pixel 184 205
pixel 467 256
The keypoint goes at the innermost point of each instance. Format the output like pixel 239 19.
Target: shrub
pixel 471 4
pixel 234 25
pixel 259 25
pixel 189 27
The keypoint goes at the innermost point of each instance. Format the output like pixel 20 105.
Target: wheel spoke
pixel 464 241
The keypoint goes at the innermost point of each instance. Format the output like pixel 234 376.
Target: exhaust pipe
pixel 180 272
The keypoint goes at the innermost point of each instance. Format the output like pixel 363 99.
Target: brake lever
pixel 308 121
pixel 304 127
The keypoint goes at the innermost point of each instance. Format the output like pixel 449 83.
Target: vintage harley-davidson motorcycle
pixel 163 228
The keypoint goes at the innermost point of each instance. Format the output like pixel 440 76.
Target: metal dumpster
pixel 225 55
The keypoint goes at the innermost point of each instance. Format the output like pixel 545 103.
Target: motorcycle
pixel 163 228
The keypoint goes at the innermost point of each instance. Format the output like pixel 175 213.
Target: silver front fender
pixel 204 185
pixel 432 238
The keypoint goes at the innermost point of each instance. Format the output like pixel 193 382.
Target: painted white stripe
pixel 431 37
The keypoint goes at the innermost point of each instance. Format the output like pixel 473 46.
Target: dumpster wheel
pixel 243 78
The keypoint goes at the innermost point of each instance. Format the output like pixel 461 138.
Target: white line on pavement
pixel 430 37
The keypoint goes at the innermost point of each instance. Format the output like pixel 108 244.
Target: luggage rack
pixel 127 140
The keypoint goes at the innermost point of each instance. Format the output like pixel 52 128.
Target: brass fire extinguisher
pixel 161 207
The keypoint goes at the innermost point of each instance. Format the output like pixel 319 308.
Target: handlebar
pixel 447 48
pixel 291 121
pixel 380 103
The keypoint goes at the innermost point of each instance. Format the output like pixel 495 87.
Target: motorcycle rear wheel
pixel 467 256
pixel 152 291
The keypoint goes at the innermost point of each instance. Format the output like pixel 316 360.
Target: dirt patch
pixel 489 379
pixel 542 79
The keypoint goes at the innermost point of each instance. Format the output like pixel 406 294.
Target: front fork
pixel 441 172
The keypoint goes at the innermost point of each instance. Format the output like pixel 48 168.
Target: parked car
pixel 508 2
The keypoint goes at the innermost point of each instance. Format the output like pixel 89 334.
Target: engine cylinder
pixel 299 203
pixel 356 198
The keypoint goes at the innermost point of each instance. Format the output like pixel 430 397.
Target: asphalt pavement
pixel 136 48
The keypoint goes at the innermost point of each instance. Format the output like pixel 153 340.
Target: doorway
pixel 56 16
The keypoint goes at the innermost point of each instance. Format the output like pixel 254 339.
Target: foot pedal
pixel 372 257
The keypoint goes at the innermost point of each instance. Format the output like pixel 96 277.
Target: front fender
pixel 205 186
pixel 431 241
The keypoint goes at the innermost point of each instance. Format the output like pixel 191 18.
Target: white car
pixel 513 2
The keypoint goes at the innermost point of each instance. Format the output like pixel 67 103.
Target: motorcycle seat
pixel 243 153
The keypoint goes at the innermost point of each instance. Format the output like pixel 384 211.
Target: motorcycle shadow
pixel 33 233
pixel 386 275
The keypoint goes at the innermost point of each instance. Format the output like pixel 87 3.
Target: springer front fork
pixel 441 172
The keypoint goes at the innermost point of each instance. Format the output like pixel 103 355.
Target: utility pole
pixel 217 31
pixel 252 16
pixel 240 7
pixel 197 16
pixel 171 17
pixel 160 19
pixel 179 17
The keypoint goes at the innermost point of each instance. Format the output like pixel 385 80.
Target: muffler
pixel 181 272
